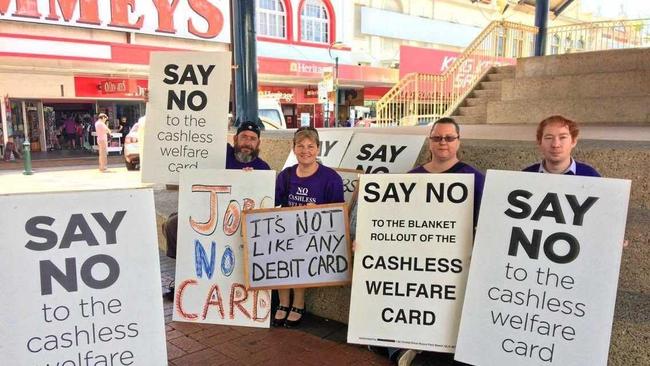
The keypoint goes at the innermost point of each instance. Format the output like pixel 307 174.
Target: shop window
pixel 271 19
pixel 15 125
pixel 34 133
pixel 314 22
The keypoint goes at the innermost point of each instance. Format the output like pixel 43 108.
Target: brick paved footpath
pixel 316 342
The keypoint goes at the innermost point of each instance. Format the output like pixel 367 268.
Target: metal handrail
pixel 597 36
pixel 434 96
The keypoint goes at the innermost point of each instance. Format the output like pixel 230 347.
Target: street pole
pixel 336 91
pixel 541 22
pixel 245 59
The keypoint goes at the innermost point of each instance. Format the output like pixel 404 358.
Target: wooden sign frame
pixel 346 218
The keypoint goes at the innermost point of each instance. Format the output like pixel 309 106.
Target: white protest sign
pixel 81 279
pixel 187 114
pixel 210 260
pixel 333 144
pixel 304 246
pixel 414 238
pixel 376 153
pixel 542 284
pixel 350 179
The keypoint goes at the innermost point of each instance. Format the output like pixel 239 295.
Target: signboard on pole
pixel 187 114
pixel 303 246
pixel 333 144
pixel 414 239
pixel 81 285
pixel 543 280
pixel 377 153
pixel 210 282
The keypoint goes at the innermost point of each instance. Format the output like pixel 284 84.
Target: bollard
pixel 27 158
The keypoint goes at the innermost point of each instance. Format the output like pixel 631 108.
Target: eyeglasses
pixel 446 138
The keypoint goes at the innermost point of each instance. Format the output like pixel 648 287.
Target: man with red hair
pixel 556 138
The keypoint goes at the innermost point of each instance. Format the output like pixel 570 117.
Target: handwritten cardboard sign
pixel 210 260
pixel 333 144
pixel 187 114
pixel 414 238
pixel 304 246
pixel 543 280
pixel 377 153
pixel 81 282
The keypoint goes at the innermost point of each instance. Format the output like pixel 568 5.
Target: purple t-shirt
pixel 479 181
pixel 324 186
pixel 233 163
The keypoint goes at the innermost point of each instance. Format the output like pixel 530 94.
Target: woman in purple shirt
pixel 306 183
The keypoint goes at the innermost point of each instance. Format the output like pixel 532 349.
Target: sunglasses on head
pixel 306 128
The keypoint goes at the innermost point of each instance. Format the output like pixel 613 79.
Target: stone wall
pixel 630 343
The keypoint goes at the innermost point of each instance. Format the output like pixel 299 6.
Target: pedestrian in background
pixel 102 132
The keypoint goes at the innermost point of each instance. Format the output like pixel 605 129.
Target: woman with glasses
pixel 444 141
pixel 306 183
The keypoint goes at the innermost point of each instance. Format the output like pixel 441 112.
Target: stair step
pixel 470 120
pixel 500 76
pixel 489 94
pixel 508 69
pixel 490 85
pixel 479 110
pixel 471 102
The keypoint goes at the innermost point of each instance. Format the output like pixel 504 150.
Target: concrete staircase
pixel 473 110
pixel 593 87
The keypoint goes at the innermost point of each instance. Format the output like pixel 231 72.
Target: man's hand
pixel 248 169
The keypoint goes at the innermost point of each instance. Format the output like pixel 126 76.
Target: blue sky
pixel 612 8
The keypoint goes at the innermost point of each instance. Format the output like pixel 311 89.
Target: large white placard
pixel 542 284
pixel 187 114
pixel 81 279
pixel 333 144
pixel 304 246
pixel 210 280
pixel 414 238
pixel 376 153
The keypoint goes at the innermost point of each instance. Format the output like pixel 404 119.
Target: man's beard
pixel 243 157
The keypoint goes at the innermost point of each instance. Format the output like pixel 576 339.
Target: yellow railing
pixel 597 36
pixel 421 98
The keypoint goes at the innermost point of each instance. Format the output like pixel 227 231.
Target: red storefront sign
pixel 97 87
pixel 311 92
pixel 314 70
pixel 432 61
pixel 283 95
pixel 198 19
